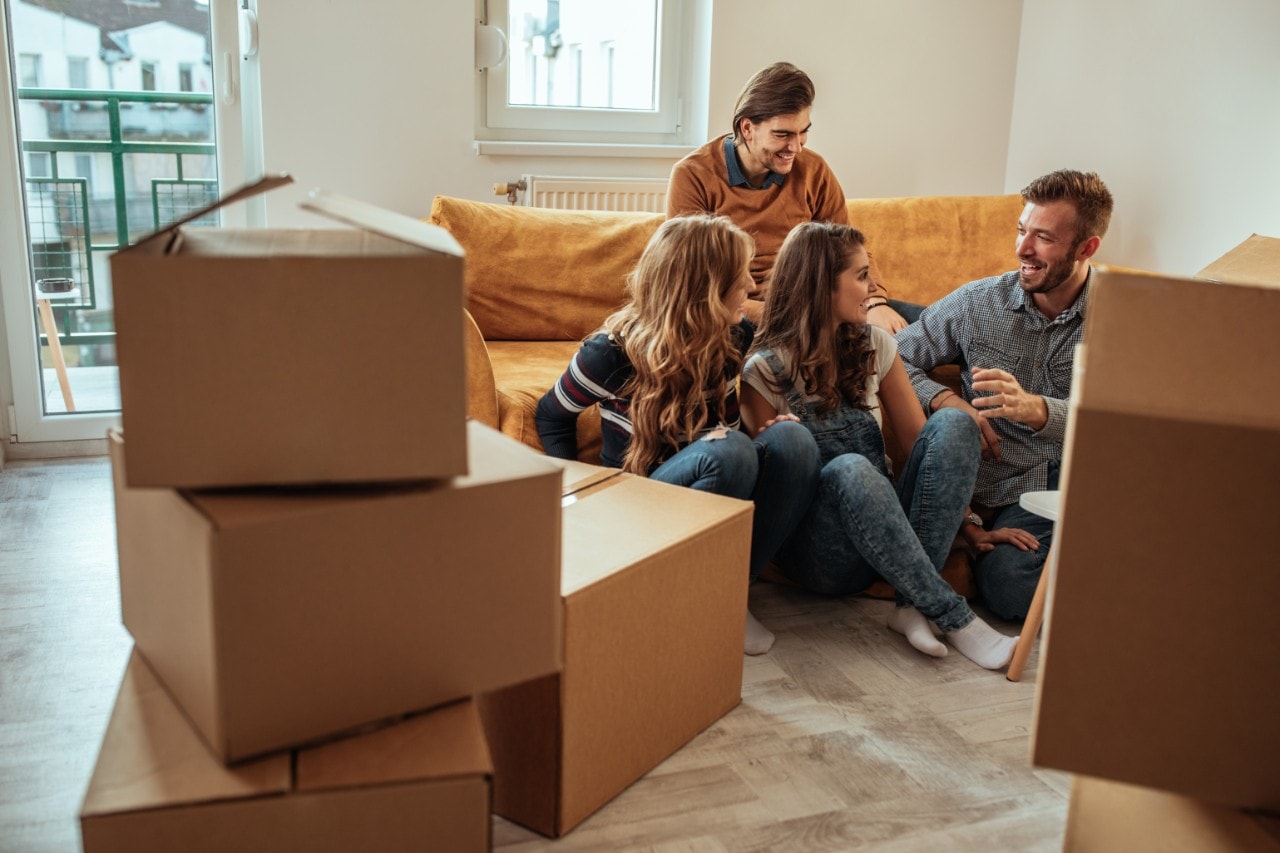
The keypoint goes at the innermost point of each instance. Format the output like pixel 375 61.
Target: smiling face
pixel 853 288
pixel 1049 248
pixel 773 144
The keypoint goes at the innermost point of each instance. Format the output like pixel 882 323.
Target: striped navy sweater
pixel 596 375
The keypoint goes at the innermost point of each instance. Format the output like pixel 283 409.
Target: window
pixel 29 70
pixel 184 77
pixel 77 72
pixel 590 71
pixel 148 76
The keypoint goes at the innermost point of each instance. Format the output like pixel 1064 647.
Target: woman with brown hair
pixel 664 370
pixel 817 358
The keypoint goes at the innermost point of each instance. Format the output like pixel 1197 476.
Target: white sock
pixel 983 645
pixel 911 624
pixel 759 638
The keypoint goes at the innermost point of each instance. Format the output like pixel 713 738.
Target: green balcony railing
pixel 73 218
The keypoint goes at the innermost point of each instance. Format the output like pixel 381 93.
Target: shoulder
pixel 701 159
pixel 885 345
pixel 602 353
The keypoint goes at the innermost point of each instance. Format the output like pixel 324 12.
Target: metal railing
pixel 118 124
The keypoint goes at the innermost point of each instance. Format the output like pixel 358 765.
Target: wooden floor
pixel 845 739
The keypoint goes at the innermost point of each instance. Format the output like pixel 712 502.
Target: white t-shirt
pixel 758 375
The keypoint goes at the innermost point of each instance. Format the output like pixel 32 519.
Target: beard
pixel 1055 274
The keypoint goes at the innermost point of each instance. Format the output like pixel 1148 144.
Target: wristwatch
pixel 972 518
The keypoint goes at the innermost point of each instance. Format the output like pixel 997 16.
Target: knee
pixel 789 442
pixel 953 427
pixel 853 476
pixel 736 463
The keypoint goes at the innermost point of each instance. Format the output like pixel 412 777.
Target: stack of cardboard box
pixel 317 549
pixel 321 559
pixel 1159 664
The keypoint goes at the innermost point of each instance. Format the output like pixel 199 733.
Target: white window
pixel 77 72
pixel 30 67
pixel 591 71
pixel 148 76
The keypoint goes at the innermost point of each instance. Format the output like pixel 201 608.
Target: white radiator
pixel 642 194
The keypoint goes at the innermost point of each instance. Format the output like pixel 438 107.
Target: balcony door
pixel 116 118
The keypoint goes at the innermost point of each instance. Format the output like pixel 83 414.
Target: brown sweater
pixel 700 184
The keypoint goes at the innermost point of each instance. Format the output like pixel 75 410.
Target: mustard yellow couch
pixel 539 281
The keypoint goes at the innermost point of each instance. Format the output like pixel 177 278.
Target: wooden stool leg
pixel 1030 627
pixel 55 349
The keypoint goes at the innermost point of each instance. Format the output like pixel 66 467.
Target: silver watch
pixel 972 518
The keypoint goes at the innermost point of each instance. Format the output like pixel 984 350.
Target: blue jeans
pixel 910 311
pixel 778 470
pixel 862 526
pixel 1007 576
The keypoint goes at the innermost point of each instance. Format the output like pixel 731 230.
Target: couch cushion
pixel 523 372
pixel 534 274
pixel 925 247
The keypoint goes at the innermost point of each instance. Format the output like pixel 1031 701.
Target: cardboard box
pixel 275 617
pixel 264 356
pixel 1112 816
pixel 420 784
pixel 1159 663
pixel 655 598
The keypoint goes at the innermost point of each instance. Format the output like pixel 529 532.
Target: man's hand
pixel 982 541
pixel 990 438
pixel 1007 399
pixel 883 315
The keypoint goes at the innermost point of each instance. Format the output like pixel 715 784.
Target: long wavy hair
pixel 830 361
pixel 679 333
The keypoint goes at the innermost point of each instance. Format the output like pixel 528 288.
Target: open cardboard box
pixel 1159 658
pixel 419 784
pixel 275 617
pixel 1106 815
pixel 271 356
pixel 655 597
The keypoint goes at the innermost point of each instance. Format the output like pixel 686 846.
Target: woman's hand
pixel 777 419
pixel 882 314
pixel 981 540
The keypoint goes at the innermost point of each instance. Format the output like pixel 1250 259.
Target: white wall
pixel 913 96
pixel 1175 103
pixel 377 100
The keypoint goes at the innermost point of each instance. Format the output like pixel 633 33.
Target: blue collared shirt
pixel 993 323
pixel 736 178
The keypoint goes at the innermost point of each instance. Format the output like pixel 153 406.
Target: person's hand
pixel 981 540
pixel 777 420
pixel 882 314
pixel 986 432
pixel 1008 399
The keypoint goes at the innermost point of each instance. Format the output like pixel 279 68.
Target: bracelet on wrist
pixel 877 304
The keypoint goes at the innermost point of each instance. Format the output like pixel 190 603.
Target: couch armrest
pixel 482 389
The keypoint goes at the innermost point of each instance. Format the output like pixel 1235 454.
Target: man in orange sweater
pixel 763 178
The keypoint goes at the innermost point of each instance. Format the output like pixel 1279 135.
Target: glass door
pixel 107 132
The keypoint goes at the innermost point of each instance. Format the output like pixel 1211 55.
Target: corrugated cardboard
pixel 273 356
pixel 1112 816
pixel 278 616
pixel 1159 664
pixel 419 784
pixel 655 597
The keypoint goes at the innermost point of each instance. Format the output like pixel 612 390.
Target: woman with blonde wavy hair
pixel 817 358
pixel 664 370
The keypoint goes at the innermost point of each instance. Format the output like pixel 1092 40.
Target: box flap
pixel 441 744
pixel 1183 348
pixel 580 476
pixel 1255 261
pixel 642 517
pixel 152 757
pixel 264 184
pixel 370 217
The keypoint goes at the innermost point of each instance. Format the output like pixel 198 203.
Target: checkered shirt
pixel 993 323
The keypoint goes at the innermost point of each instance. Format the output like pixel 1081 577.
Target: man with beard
pixel 1015 335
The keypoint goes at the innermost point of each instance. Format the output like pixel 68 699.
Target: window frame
pixel 678 56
